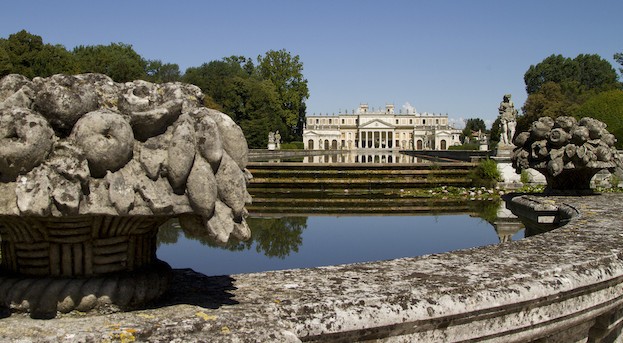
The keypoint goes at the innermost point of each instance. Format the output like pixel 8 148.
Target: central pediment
pixel 376 124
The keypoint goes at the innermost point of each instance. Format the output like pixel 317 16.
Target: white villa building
pixel 381 129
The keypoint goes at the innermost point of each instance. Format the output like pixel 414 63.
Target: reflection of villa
pixel 365 129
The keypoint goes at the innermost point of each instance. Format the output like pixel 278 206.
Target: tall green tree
pixel 607 107
pixel 558 85
pixel 286 73
pixel 215 78
pixel 117 60
pixel 159 72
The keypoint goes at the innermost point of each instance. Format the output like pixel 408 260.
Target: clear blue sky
pixel 456 57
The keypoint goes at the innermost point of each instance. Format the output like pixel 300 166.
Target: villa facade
pixel 382 129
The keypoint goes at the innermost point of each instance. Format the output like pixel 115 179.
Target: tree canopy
pixel 559 85
pixel 117 60
pixel 608 108
pixel 473 125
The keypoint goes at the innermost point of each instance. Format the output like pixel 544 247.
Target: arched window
pixel 310 144
pixel 442 144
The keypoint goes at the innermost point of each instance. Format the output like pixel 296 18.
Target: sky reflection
pixel 328 240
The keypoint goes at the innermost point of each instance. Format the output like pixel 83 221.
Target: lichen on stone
pixel 86 145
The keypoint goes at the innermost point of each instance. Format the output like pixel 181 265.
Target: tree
pixel 586 72
pixel 558 86
pixel 286 73
pixel 26 54
pixel 619 58
pixel 117 60
pixel 608 108
pixel 159 72
pixel 473 125
pixel 215 78
pixel 5 62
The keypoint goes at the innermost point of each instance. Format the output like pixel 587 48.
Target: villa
pixel 366 128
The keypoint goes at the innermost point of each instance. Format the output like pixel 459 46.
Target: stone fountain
pixel 566 151
pixel 89 169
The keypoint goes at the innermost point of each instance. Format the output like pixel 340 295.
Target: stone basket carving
pixel 567 152
pixel 90 168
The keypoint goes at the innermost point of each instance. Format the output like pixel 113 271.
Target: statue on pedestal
pixel 277 137
pixel 508 120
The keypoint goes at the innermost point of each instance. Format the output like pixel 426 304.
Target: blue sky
pixel 455 57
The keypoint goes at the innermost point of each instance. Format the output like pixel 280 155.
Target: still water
pixel 301 242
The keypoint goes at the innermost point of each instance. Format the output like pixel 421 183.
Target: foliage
pixel 275 237
pixel 159 72
pixel 558 86
pixel 26 54
pixel 589 71
pixel 286 73
pixel 494 134
pixel 619 58
pixel 257 98
pixel 117 60
pixel 525 177
pixel 465 146
pixel 485 174
pixel 608 108
pixel 293 146
pixel 473 125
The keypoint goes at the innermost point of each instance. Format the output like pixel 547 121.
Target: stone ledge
pixel 562 284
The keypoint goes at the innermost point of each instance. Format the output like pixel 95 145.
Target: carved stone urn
pixel 89 169
pixel 567 152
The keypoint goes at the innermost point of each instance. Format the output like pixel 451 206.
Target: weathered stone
pixel 209 141
pixel 241 231
pixel 221 224
pixel 89 174
pixel 120 192
pixel 202 188
pixel 155 121
pixel 63 99
pixel 34 193
pixel 26 140
pixel 233 139
pixel 567 152
pixel 106 139
pixel 181 154
pixel 232 185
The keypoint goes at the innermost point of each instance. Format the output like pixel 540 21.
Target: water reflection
pixel 308 241
pixel 351 156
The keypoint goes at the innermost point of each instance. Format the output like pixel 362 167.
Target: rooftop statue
pixel 90 168
pixel 567 152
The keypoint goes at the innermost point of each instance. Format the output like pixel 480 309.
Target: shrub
pixel 486 174
pixel 292 146
pixel 466 146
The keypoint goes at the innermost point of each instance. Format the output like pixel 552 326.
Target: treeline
pixel 264 95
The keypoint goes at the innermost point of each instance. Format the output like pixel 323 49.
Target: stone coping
pixel 548 285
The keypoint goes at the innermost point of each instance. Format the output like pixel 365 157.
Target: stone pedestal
pixel 79 263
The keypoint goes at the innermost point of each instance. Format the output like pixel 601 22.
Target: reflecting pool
pixel 302 242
